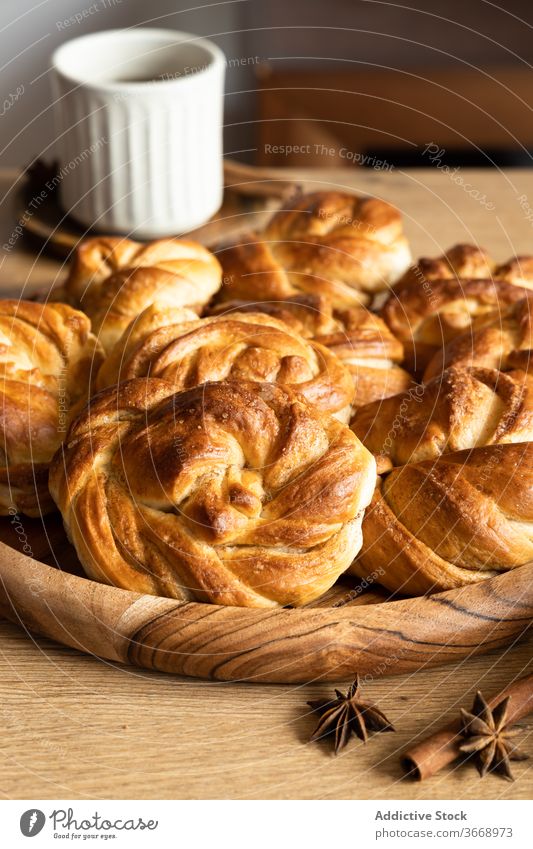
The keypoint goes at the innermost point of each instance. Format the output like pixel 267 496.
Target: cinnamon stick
pixel 441 749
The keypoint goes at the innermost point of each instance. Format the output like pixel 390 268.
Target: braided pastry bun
pixel 47 356
pixel 499 340
pixel 231 493
pixel 371 353
pixel 426 317
pixel 359 338
pixel 328 243
pixel 460 409
pixel 518 270
pixel 456 520
pixel 114 279
pixel 459 262
pixel 468 262
pixel 242 346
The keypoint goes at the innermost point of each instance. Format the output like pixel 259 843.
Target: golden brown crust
pixel 462 261
pixel 334 244
pixel 460 409
pixel 469 262
pixel 96 259
pixel 359 338
pixel 361 333
pixel 48 357
pixel 233 493
pixel 240 346
pixel 114 279
pixel 456 520
pixel 371 353
pixel 426 317
pixel 501 340
pixel 518 270
pixel 309 315
pixel 372 383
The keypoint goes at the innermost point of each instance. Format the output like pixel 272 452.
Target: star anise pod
pixel 488 737
pixel 346 715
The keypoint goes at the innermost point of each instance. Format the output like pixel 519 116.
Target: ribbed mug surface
pixel 140 147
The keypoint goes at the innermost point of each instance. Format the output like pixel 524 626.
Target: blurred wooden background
pixel 361 118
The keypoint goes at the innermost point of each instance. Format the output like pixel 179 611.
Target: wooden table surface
pixel 73 726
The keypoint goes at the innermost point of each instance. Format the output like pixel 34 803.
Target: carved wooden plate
pixel 352 629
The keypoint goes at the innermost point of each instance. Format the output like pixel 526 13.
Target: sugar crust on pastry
pixel 230 493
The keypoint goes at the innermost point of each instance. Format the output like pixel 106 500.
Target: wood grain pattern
pixel 280 646
pixel 75 726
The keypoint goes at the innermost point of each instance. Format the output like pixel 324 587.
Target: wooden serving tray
pixel 351 629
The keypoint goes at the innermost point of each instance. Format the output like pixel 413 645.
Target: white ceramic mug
pixel 139 116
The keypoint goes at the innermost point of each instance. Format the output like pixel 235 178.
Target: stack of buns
pixel 303 405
